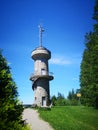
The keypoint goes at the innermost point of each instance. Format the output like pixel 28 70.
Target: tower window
pixel 43 60
pixel 43 71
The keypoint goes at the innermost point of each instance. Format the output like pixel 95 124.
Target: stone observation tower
pixel 41 76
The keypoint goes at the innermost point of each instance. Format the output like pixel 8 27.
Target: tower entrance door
pixel 43 101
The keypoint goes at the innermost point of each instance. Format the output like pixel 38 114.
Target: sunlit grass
pixel 71 118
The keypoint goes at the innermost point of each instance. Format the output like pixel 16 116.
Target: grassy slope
pixel 71 118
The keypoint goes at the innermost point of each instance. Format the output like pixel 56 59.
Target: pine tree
pixel 72 97
pixel 10 108
pixel 89 66
pixel 53 100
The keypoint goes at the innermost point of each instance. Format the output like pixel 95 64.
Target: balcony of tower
pixel 48 76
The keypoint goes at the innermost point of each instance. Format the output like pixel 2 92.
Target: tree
pixel 60 100
pixel 10 108
pixel 53 100
pixel 89 66
pixel 72 97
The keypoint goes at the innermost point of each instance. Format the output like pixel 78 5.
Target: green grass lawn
pixel 71 118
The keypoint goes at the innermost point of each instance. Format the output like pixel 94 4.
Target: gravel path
pixel 32 118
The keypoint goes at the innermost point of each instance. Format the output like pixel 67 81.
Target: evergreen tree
pixel 53 100
pixel 89 66
pixel 60 100
pixel 72 97
pixel 10 108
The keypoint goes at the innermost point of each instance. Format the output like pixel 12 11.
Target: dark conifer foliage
pixel 10 108
pixel 89 66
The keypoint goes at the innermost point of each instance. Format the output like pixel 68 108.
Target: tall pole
pixel 40 35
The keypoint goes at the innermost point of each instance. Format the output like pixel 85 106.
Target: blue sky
pixel 65 22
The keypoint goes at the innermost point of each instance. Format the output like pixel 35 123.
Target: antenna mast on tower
pixel 40 35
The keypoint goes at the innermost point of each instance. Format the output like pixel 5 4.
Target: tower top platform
pixel 41 52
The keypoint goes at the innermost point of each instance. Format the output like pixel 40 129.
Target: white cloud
pixel 57 59
pixel 60 60
pixel 76 79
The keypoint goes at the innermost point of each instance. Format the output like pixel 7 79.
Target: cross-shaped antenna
pixel 40 34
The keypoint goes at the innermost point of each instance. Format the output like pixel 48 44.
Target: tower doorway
pixel 44 101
